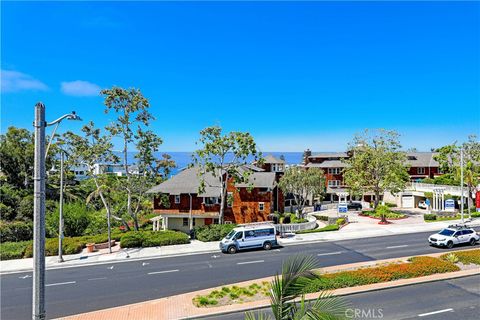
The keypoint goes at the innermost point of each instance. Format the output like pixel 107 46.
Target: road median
pixel 182 306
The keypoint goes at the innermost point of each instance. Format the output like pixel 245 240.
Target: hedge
pixel 153 239
pixel 16 231
pixel 417 267
pixel 69 246
pixel 321 218
pixel 331 227
pixel 429 216
pixel 13 250
pixel 213 232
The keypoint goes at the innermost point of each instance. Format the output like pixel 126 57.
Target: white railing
pixel 294 227
pixel 428 187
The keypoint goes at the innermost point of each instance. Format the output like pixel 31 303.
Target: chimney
pixel 307 153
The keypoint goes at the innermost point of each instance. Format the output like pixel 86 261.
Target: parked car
pixel 249 235
pixel 354 206
pixel 422 205
pixel 453 235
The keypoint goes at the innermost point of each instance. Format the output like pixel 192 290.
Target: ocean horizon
pixel 184 158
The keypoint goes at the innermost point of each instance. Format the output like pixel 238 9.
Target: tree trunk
pixel 221 218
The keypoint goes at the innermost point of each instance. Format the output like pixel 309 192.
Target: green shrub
pixel 13 250
pixel 429 216
pixel 152 239
pixel 340 221
pixel 76 218
pixel 332 227
pixel 16 231
pixel 132 240
pixel 69 246
pixel 321 218
pixel 164 238
pixel 294 219
pixel 213 232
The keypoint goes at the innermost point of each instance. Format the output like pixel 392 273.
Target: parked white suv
pixel 453 235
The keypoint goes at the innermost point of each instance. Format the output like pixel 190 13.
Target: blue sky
pixel 295 75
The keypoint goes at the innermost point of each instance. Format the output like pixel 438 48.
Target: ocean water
pixel 184 159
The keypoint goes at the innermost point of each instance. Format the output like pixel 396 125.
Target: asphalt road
pixel 448 299
pixel 81 289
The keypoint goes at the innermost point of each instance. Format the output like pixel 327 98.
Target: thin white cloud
pixel 80 88
pixel 15 81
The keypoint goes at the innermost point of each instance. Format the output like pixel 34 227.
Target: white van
pixel 251 235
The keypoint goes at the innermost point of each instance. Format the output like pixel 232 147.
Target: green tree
pixel 471 167
pixel 90 149
pixel 448 158
pixel 377 164
pixel 287 295
pixel 16 162
pixel 303 184
pixel 223 156
pixel 132 117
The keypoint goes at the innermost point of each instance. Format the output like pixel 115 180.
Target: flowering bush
pixel 416 267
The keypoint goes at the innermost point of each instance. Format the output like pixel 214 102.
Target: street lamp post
pixel 38 291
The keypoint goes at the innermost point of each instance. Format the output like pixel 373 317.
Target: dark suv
pixel 354 206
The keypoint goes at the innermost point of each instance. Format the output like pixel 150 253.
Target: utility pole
pixel 60 209
pixel 38 306
pixel 461 184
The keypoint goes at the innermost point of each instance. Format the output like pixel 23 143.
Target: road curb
pixel 181 306
pixel 159 256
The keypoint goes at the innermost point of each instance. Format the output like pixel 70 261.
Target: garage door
pixel 407 202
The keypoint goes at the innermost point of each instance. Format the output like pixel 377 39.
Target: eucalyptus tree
pixel 377 164
pixel 92 149
pixel 223 156
pixel 132 116
pixel 471 168
pixel 303 184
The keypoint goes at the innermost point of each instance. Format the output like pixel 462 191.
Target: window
pixel 421 170
pixel 185 222
pixel 239 235
pixel 333 183
pixel 261 206
pixel 210 201
pixel 226 222
pixel 215 221
pixel 334 170
pixel 177 199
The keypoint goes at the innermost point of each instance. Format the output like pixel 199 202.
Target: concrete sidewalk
pixel 363 227
pixel 181 306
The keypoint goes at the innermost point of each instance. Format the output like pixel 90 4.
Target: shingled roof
pixel 188 181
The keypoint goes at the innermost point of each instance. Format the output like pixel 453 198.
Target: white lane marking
pixel 111 268
pixel 435 312
pixel 60 283
pixel 249 262
pixel 166 271
pixel 25 276
pixel 329 253
pixel 400 246
pixel 215 256
pixel 93 279
pixel 145 264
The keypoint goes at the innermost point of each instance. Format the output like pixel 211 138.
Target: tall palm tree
pixel 287 296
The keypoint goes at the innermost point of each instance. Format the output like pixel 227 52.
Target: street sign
pixel 427 202
pixel 342 208
pixel 450 205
